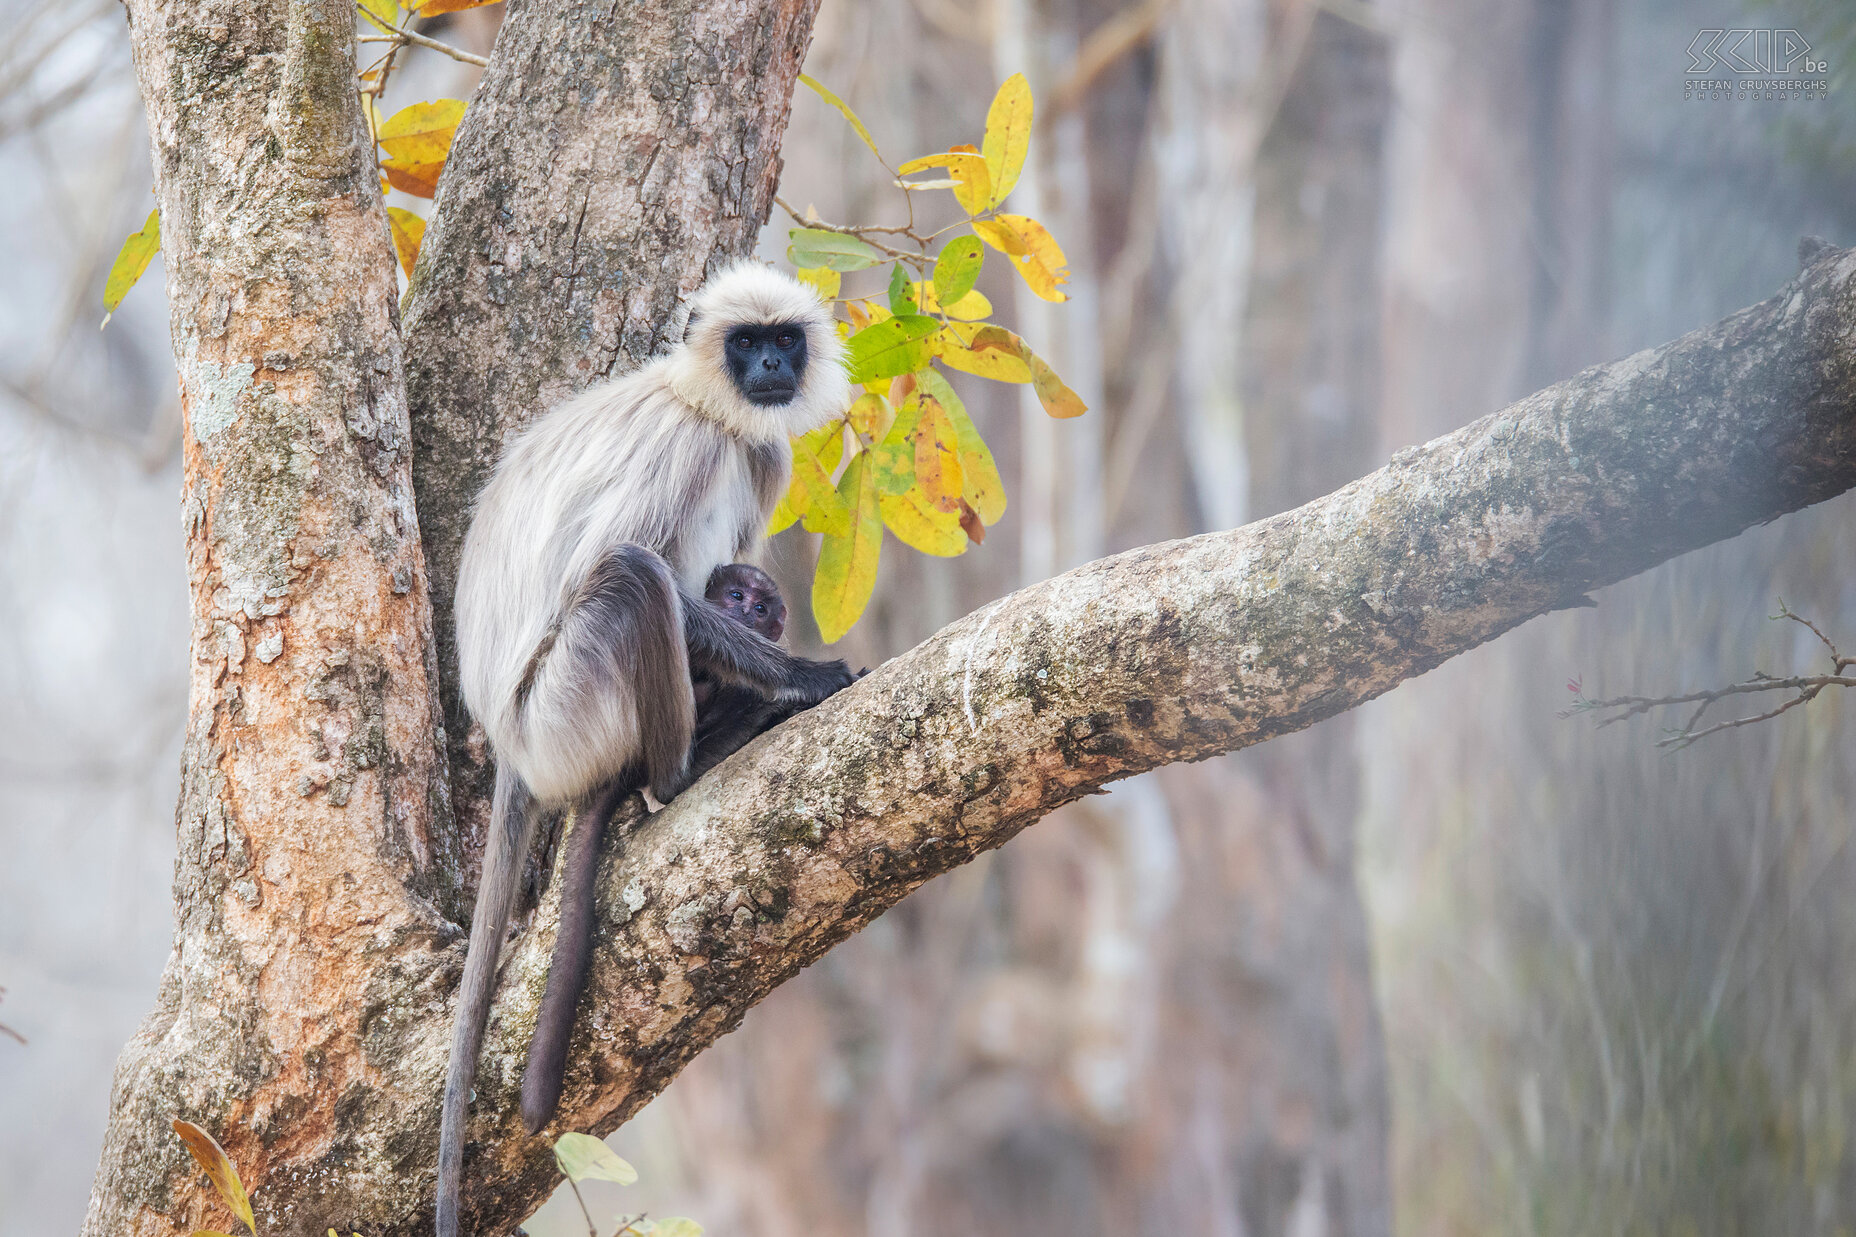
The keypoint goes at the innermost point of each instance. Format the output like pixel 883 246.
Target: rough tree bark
pixel 312 823
pixel 304 1017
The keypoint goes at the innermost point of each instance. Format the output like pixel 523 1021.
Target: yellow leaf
pixel 386 12
pixel 937 458
pixel 974 192
pixel 417 140
pixel 208 1154
pixel 821 279
pixel 953 344
pixel 1033 251
pixel 1008 136
pixel 418 179
pixel 846 573
pixel 844 110
pixel 408 231
pixel 783 518
pixel 923 528
pixel 432 8
pixel 422 132
pixel 813 496
pixel 138 250
pixel 971 306
pixel 1058 399
pixel 981 484
pixel 869 415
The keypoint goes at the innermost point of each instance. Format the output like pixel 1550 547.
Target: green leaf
pixel 677 1226
pixel 981 484
pixel 1008 135
pixel 844 110
pixel 901 292
pixel 957 268
pixel 584 1158
pixel 894 457
pixel 211 1157
pixel 138 249
pixel 890 348
pixel 846 574
pixel 834 250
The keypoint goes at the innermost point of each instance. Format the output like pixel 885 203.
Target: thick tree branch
pixel 1172 652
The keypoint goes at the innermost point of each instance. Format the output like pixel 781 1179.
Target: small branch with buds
pixel 1804 686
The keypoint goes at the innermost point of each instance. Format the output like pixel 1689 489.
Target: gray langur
pixel 579 601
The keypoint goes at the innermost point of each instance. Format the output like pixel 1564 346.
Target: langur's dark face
pixel 766 361
pixel 750 597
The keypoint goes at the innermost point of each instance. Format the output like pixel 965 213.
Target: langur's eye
pixel 734 594
pixel 760 607
pixel 787 339
pixel 744 341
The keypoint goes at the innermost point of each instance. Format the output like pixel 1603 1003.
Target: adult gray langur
pixel 579 601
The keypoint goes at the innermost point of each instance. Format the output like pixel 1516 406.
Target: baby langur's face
pixel 750 597
pixel 766 361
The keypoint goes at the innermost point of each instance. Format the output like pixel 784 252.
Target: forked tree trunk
pixel 303 1017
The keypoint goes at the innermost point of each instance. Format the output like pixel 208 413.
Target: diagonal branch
pixel 1172 652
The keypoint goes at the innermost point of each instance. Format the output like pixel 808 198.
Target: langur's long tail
pixel 512 814
pixel 573 949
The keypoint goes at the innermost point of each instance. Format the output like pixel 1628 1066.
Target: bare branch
pixel 400 34
pixel 1806 687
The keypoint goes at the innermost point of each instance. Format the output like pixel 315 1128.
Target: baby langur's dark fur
pixel 727 716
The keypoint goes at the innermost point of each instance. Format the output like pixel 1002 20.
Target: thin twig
pixel 859 231
pixel 592 1231
pixel 419 40
pixel 1807 687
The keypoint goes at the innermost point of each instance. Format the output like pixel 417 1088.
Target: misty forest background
pixel 1449 958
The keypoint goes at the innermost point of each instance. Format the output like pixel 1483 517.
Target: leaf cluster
pixel 905 456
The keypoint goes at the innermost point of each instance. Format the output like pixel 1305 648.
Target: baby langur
pixel 727 716
pixel 579 607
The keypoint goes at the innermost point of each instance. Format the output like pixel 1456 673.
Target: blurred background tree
pixel 1446 959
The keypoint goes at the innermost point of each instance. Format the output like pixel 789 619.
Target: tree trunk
pixel 313 824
